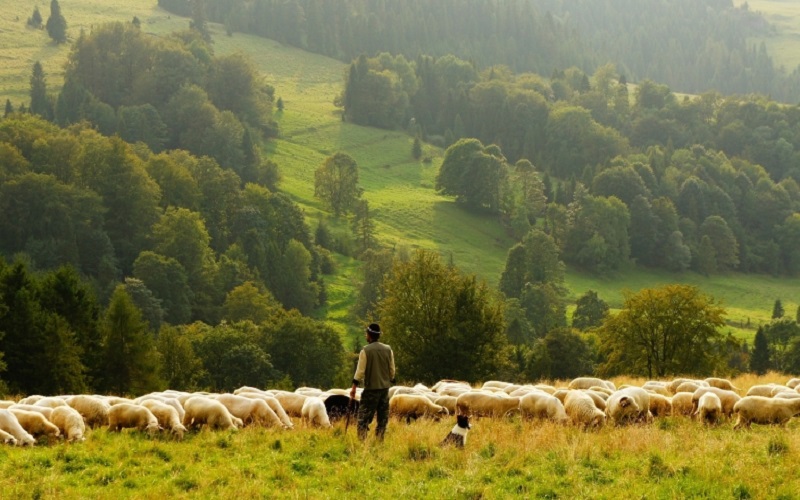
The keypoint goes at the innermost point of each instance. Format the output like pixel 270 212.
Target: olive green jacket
pixel 375 366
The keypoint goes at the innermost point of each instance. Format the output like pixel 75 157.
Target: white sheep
pixel 169 400
pixel 4 404
pixel 709 408
pixel 763 410
pixel 793 383
pixel 631 404
pixel 10 424
pixel 495 384
pixel 588 382
pixel 540 405
pixel 314 412
pixel 250 410
pixel 413 406
pixel 291 402
pixel 721 383
pixel 727 398
pixel 660 405
pixel 39 409
pixel 50 402
pixel 274 405
pixel 201 410
pixel 682 404
pixel 69 422
pixel 689 386
pixel 764 390
pixel 580 408
pixel 166 415
pixel 657 387
pixel 132 416
pixel 94 410
pixel 30 399
pixel 35 424
pixel 448 402
pixel 483 404
pixel 7 438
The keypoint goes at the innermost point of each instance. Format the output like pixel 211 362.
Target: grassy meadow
pixel 784 44
pixel 674 457
pixel 407 211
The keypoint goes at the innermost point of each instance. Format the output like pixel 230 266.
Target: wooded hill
pixel 692 46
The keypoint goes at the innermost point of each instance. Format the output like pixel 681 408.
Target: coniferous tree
pixel 9 108
pixel 279 104
pixel 35 21
pixel 40 105
pixel 130 357
pixel 56 24
pixel 797 315
pixel 759 359
pixel 777 309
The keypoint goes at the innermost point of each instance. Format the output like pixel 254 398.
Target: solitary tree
pixel 661 332
pixel 56 24
pixel 428 308
pixel 336 183
pixel 9 108
pixel 777 309
pixel 35 21
pixel 759 360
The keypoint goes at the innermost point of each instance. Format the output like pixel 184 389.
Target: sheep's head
pixel 152 428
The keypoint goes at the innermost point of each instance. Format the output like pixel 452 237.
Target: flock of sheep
pixel 587 402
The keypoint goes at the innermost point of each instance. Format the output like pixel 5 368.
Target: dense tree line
pixel 693 46
pixel 57 338
pixel 709 183
pixel 182 225
pixel 169 93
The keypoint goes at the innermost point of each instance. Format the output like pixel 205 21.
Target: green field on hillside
pixel 407 211
pixel 784 45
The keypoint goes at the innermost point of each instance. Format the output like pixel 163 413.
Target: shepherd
pixel 376 371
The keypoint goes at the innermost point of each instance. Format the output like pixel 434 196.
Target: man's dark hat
pixel 374 330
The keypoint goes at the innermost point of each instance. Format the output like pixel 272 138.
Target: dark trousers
pixel 372 401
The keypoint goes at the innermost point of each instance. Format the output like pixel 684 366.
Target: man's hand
pixel 353 392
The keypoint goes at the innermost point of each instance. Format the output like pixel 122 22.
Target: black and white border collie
pixel 458 435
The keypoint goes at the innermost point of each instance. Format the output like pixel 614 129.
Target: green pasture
pixel 674 457
pixel 783 45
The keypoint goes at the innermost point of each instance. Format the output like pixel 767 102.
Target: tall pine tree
pixel 39 102
pixel 56 24
pixel 759 359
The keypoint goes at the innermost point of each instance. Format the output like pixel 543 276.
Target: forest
pixel 146 242
pixel 692 46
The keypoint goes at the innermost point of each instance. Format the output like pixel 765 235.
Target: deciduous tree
pixel 428 309
pixel 336 183
pixel 590 311
pixel 661 332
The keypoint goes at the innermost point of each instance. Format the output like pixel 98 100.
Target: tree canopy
pixel 662 332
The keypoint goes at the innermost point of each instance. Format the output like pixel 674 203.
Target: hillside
pixel 408 213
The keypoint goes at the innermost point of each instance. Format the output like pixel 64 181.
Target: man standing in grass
pixel 376 370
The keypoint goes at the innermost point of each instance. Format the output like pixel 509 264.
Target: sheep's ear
pixel 624 401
